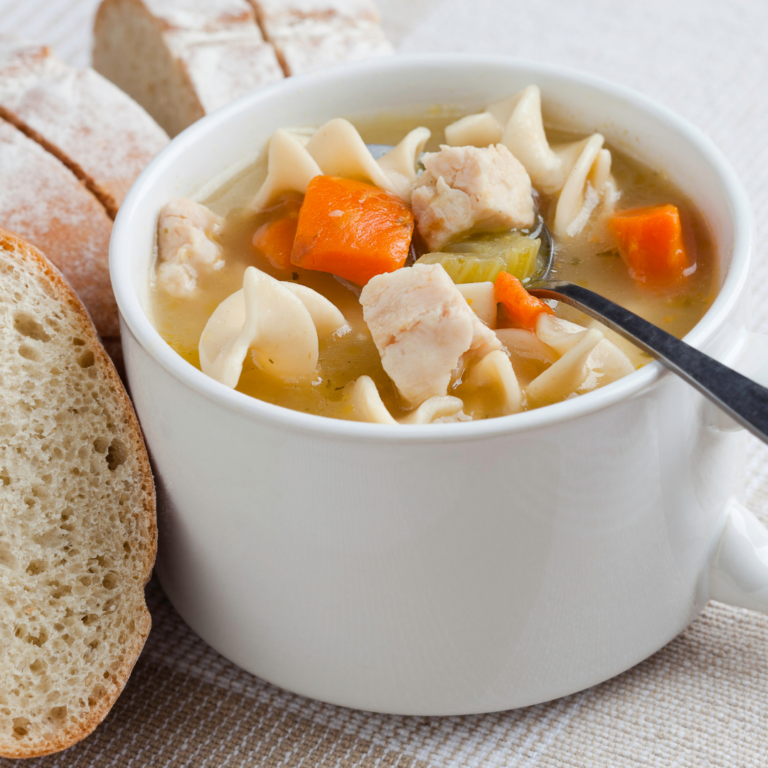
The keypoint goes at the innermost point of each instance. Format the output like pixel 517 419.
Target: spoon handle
pixel 740 397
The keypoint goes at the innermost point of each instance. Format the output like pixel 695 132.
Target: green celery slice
pixel 480 258
pixel 466 267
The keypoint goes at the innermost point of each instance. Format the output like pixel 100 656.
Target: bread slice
pixel 44 203
pixel 286 12
pixel 182 59
pixel 95 129
pixel 77 515
pixel 313 34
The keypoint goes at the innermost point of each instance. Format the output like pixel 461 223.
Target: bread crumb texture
pixel 77 515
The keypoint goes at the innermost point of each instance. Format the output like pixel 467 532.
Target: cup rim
pixel 159 350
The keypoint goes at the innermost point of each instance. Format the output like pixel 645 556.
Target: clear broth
pixel 585 259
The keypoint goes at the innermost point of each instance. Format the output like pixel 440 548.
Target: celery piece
pixel 466 267
pixel 480 258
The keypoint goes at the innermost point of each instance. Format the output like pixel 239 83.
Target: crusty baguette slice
pixel 77 515
pixel 44 203
pixel 182 60
pixel 313 34
pixel 95 129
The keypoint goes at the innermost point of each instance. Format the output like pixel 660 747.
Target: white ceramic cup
pixel 456 568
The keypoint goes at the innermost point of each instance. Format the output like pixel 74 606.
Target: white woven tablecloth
pixel 703 700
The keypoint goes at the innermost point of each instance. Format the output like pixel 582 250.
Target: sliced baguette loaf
pixel 42 201
pixel 182 59
pixel 313 34
pixel 95 129
pixel 77 515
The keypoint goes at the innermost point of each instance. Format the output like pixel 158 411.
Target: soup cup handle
pixel 738 572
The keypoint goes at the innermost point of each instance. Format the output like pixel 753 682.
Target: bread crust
pixel 43 202
pixel 311 44
pixel 203 54
pixel 145 509
pixel 287 12
pixel 103 136
pixel 313 34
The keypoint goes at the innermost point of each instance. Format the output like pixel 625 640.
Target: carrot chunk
pixel 275 238
pixel 351 229
pixel 651 243
pixel 522 308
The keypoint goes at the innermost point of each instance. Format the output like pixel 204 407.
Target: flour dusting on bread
pixel 313 34
pixel 95 129
pixel 181 60
pixel 44 203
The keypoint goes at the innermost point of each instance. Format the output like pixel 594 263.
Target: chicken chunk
pixel 423 328
pixel 466 188
pixel 185 247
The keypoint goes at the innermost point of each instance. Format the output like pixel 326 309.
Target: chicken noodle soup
pixel 392 290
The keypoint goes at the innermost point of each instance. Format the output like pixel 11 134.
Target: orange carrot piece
pixel 651 243
pixel 351 229
pixel 275 238
pixel 522 308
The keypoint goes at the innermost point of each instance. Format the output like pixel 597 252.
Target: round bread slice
pixel 77 514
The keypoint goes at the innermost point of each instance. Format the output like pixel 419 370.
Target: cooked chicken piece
pixel 185 246
pixel 423 328
pixel 466 188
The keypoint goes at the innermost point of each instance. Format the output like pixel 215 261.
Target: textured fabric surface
pixel 702 700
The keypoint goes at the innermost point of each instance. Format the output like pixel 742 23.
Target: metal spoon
pixel 741 398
